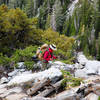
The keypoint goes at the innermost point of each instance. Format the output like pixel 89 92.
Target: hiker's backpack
pixel 40 52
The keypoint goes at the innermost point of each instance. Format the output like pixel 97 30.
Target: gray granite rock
pixel 4 80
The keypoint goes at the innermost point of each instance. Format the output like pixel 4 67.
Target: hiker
pixel 48 55
pixel 44 54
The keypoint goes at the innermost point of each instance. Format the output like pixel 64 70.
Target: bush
pixel 69 80
pixel 29 65
pixel 69 61
pixel 64 44
pixel 24 55
pixel 99 98
pixel 17 30
pixel 20 55
pixel 4 60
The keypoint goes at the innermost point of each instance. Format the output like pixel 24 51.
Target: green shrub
pixel 29 65
pixel 64 44
pixel 61 54
pixel 89 57
pixel 69 80
pixel 24 55
pixel 4 60
pixel 18 31
pixel 99 98
pixel 19 55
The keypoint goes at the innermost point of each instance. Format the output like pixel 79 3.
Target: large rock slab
pixel 61 66
pixel 41 98
pixel 81 73
pixel 4 80
pixel 4 92
pixel 25 77
pixel 81 58
pixel 13 73
pixel 92 67
pixel 17 96
pixel 86 67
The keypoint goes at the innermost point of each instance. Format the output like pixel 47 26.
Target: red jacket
pixel 48 55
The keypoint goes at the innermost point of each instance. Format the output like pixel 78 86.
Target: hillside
pixel 70 65
pixel 76 18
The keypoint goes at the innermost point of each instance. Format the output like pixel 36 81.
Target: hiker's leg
pixel 39 64
pixel 44 66
pixel 49 64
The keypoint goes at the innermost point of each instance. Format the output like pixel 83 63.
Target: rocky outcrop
pixel 25 85
pixel 25 77
pixel 85 67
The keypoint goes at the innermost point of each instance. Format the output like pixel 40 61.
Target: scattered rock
pixel 13 73
pixel 4 92
pixel 3 86
pixel 21 65
pixel 87 69
pixel 4 80
pixel 26 98
pixel 17 96
pixel 62 66
pixel 78 66
pixel 81 58
pixel 81 73
pixel 92 96
pixel 41 98
pixel 22 70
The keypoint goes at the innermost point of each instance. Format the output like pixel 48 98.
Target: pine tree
pixel 59 16
pixel 6 2
pixel 98 48
pixel 30 9
pixel 97 20
pixel 47 25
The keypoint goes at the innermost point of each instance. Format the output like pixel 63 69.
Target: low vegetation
pixel 20 37
pixel 70 81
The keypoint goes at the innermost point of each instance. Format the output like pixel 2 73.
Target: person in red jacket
pixel 48 55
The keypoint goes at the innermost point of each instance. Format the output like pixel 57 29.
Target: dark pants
pixel 45 65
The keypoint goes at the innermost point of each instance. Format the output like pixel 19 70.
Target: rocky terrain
pixel 21 84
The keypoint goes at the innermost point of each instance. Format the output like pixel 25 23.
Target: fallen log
pixel 76 93
pixel 66 95
pixel 38 86
pixel 90 88
pixel 92 96
pixel 96 89
pixel 55 87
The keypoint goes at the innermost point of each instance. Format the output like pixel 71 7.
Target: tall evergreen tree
pixel 97 20
pixel 30 8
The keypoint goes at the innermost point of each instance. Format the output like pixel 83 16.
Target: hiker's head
pixel 53 47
